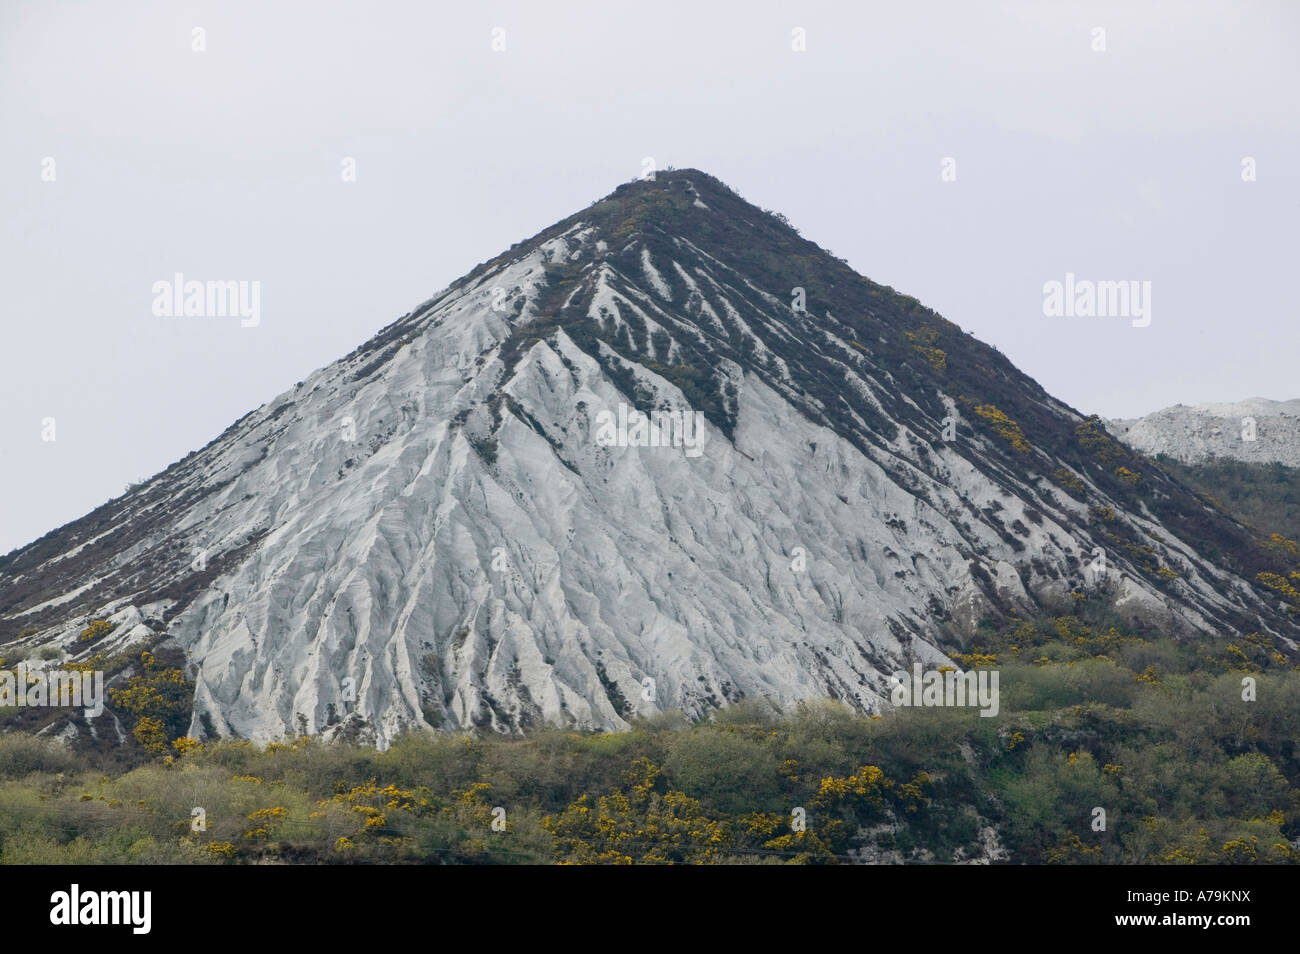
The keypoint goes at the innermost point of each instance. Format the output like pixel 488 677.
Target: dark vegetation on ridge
pixel 908 349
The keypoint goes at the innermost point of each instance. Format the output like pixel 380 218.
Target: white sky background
pixel 226 165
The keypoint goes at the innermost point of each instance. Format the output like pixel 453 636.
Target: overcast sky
pixel 227 163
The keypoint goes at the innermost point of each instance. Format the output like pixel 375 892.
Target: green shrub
pixel 726 768
pixel 22 755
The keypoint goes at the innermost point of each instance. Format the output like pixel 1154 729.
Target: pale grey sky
pixel 226 164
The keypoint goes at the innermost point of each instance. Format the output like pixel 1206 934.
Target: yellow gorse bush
pixel 97 628
pixel 1005 428
pixel 642 825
